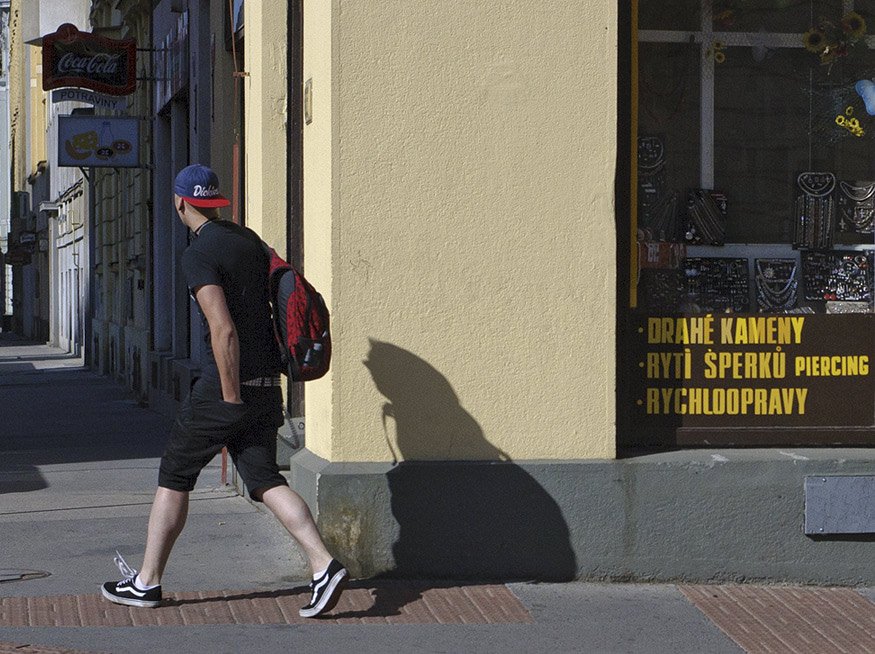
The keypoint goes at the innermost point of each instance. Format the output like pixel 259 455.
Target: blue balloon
pixel 866 89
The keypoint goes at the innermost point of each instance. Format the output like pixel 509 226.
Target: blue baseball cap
pixel 199 186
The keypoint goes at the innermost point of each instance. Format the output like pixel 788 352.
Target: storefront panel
pixel 751 293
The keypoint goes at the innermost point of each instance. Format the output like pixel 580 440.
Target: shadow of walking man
pixel 464 510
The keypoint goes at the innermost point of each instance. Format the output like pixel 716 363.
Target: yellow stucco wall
pixel 27 101
pixel 37 110
pixel 266 96
pixel 320 191
pixel 459 177
pixel 19 83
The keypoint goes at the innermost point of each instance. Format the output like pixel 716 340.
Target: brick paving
pixel 778 619
pixel 390 603
pixel 760 619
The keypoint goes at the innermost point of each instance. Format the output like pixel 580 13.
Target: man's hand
pixel 223 337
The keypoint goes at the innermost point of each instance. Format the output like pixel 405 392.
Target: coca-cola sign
pixel 85 60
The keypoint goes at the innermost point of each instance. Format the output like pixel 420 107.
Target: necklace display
pixel 664 85
pixel 815 210
pixel 657 206
pixel 706 214
pixel 776 284
pixel 857 207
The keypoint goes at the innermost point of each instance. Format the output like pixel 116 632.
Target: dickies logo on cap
pixel 199 186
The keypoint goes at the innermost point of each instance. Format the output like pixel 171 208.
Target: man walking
pixel 237 401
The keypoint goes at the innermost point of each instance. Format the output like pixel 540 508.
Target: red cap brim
pixel 210 203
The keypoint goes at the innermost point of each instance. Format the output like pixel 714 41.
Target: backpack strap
pixel 287 360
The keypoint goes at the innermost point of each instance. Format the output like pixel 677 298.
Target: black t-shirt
pixel 233 257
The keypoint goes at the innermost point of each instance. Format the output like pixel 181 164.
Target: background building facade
pixel 466 187
pixel 67 209
pixel 5 202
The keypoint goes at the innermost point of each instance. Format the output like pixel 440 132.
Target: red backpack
pixel 300 319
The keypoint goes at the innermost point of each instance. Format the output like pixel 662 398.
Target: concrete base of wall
pixel 698 516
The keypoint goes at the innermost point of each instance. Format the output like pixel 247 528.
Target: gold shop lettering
pixel 726 401
pixel 834 366
pixel 773 330
pixel 745 365
pixel 682 331
pixel 669 365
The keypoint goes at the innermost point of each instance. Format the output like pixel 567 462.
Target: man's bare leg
pixel 168 516
pixel 295 516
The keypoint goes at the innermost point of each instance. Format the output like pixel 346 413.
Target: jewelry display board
pixel 717 285
pixel 777 284
pixel 661 281
pixel 706 217
pixel 662 290
pixel 756 155
pixel 815 210
pixel 844 276
pixel 657 204
pixel 856 208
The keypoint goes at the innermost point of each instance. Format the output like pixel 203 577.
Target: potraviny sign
pixel 98 141
pixel 85 60
pixel 98 100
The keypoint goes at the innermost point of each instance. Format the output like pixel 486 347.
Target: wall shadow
pixel 20 478
pixel 62 416
pixel 481 518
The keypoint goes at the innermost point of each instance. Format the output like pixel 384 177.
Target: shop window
pixel 752 232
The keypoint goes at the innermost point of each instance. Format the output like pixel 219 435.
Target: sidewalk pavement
pixel 78 466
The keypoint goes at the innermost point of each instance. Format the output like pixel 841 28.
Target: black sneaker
pixel 125 592
pixel 326 590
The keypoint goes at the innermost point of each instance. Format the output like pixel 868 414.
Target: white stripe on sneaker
pixel 131 589
pixel 322 582
pixel 328 597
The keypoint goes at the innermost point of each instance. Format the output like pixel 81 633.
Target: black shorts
pixel 205 423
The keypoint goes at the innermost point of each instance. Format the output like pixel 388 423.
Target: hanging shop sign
pixel 98 100
pixel 99 141
pixel 81 59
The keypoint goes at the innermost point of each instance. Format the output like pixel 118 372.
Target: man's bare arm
pixel 223 336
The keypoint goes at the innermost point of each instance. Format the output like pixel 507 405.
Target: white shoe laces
pixel 127 571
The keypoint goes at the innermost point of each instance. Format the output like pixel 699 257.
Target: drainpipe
pixel 90 238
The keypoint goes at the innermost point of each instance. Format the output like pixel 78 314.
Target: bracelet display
pixel 717 285
pixel 844 276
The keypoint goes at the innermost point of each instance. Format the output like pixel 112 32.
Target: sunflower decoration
pixel 725 18
pixel 854 26
pixel 815 40
pixel 831 42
